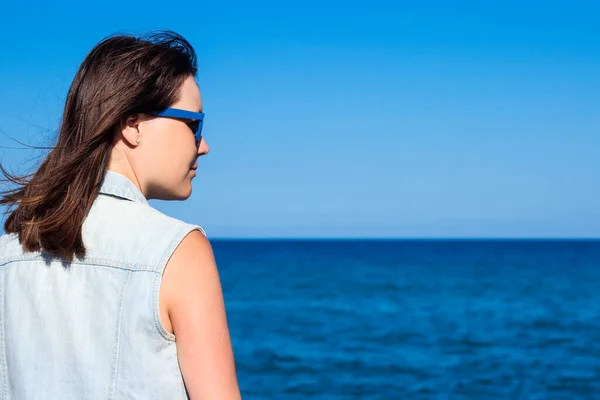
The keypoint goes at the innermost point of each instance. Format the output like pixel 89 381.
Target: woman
pixel 102 296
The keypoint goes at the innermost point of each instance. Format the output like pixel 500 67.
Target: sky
pixel 431 119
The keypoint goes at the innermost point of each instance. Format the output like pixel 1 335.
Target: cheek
pixel 172 139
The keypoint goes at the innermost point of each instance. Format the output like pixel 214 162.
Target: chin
pixel 184 192
pixel 180 191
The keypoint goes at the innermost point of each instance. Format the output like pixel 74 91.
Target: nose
pixel 203 149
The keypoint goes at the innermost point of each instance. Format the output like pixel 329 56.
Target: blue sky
pixel 341 119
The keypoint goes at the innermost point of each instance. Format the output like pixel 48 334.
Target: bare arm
pixel 194 299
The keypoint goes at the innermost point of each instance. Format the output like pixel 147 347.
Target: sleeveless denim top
pixel 91 329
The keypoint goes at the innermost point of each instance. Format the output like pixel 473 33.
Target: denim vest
pixel 91 329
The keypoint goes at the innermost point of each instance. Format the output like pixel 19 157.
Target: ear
pixel 130 129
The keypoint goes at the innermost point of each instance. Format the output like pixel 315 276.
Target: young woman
pixel 102 296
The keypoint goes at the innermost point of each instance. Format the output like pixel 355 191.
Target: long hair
pixel 122 75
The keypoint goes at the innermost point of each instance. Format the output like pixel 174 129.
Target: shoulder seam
pixel 94 262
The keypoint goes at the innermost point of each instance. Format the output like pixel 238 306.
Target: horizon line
pixel 316 238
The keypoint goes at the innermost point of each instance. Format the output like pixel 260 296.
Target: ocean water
pixel 414 319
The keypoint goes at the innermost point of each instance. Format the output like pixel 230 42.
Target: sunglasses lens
pixel 194 125
pixel 198 133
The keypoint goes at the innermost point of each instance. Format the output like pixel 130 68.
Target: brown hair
pixel 122 75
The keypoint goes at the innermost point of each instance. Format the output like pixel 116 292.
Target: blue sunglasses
pixel 194 120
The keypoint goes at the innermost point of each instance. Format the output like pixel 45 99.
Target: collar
pixel 118 185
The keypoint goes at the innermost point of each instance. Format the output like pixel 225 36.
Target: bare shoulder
pixel 190 261
pixel 194 304
pixel 194 249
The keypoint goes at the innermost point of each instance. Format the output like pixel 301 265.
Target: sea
pixel 413 319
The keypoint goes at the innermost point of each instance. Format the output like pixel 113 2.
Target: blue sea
pixel 414 319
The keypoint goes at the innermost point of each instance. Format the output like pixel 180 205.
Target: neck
pixel 121 164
